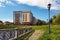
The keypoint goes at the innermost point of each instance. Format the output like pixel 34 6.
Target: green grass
pixel 12 26
pixel 54 35
pixel 44 27
pixel 6 27
pixel 22 26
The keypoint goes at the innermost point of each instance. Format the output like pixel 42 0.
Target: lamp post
pixel 49 6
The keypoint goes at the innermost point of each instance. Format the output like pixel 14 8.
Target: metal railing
pixel 10 34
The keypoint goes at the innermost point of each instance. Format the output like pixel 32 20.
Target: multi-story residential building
pixel 16 17
pixel 23 17
pixel 27 17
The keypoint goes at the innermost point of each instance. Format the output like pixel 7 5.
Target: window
pixel 25 17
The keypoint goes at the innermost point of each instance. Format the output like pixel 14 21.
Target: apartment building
pixel 23 17
pixel 16 17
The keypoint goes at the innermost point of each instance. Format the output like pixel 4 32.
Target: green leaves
pixel 56 19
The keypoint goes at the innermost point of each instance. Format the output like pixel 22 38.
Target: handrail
pixel 10 34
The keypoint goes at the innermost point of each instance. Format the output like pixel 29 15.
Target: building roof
pixel 25 11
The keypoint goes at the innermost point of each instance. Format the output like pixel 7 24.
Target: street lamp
pixel 49 6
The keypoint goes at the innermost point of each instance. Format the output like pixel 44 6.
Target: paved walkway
pixel 36 35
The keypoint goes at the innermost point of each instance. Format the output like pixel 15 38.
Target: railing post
pixel 15 33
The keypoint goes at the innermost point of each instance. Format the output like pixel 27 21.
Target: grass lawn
pixel 54 35
pixel 44 27
pixel 12 26
pixel 6 27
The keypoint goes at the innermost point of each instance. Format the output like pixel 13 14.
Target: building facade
pixel 17 17
pixel 23 17
pixel 27 17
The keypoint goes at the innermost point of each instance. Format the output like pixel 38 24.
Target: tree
pixel 1 23
pixel 56 19
pixel 40 22
pixel 44 23
pixel 7 23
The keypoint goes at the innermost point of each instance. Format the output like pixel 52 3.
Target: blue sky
pixel 38 8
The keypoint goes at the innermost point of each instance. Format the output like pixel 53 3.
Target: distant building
pixel 23 17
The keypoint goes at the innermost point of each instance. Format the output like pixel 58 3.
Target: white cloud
pixel 1 5
pixel 40 3
pixel 2 0
pixel 9 2
pixel 5 2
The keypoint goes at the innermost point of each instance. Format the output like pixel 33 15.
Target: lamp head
pixel 49 5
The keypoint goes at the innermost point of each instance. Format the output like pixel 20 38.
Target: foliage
pixel 56 19
pixel 1 23
pixel 40 22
